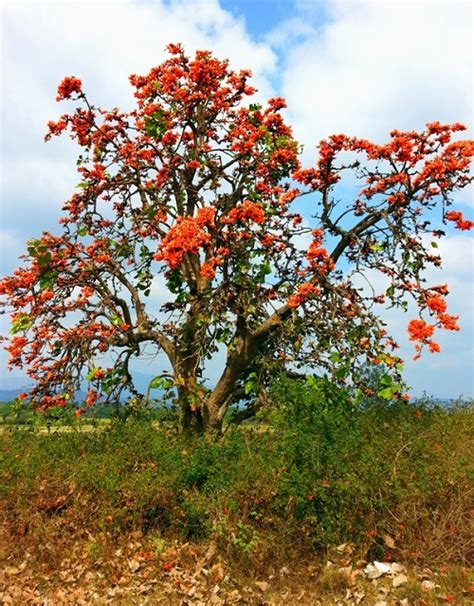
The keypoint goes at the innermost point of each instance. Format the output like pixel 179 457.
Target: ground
pixel 137 572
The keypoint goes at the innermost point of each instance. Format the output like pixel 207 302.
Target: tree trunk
pixel 203 412
pixel 197 419
pixel 217 403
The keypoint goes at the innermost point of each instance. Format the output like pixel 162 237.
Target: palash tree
pixel 193 194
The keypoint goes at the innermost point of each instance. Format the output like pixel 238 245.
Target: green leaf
pixel 156 383
pixel 83 231
pixel 91 374
pixel 45 260
pixel 115 320
pixel 434 244
pixel 47 279
pixel 386 380
pixel 174 282
pixel 160 383
pixel 22 323
pixel 251 385
pixel 386 393
pixel 376 247
pixel 342 372
pixel 335 356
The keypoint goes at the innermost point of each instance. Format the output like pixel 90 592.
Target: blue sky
pixel 362 67
pixel 263 16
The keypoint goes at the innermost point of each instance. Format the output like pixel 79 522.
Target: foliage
pixel 314 473
pixel 193 193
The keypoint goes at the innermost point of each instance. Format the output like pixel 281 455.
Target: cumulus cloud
pixel 374 66
pixel 102 44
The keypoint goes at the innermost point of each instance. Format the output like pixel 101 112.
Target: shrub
pixel 394 479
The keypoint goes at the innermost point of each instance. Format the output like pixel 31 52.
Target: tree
pixel 193 193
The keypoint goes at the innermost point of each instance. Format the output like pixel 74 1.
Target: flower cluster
pixel 458 218
pixel 304 292
pixel 69 85
pixel 319 259
pixel 419 330
pixel 186 236
pixel 247 211
pixel 208 269
pixel 420 163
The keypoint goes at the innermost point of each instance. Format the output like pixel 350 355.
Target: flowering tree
pixel 192 194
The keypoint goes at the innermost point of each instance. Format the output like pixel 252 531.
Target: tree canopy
pixel 191 199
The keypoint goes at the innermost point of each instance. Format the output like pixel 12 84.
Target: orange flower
pixel 436 303
pixel 448 322
pixel 185 236
pixel 419 330
pixel 248 211
pixel 458 218
pixel 372 533
pixel 304 291
pixel 434 347
pixel 69 85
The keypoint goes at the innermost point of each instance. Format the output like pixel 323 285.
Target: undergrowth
pixel 395 480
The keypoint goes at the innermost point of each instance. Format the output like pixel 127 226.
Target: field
pixel 294 509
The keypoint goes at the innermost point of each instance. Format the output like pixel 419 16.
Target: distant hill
pixel 7 395
pixel 11 387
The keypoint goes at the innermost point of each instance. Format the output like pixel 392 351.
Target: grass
pixel 395 481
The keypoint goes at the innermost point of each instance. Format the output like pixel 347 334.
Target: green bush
pixel 317 470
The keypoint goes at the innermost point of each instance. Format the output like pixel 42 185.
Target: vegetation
pixel 315 472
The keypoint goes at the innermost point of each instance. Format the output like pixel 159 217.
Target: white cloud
pixel 101 43
pixel 377 66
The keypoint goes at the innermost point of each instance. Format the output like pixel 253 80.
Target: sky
pixel 363 67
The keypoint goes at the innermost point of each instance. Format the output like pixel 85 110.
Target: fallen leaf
pixel 372 572
pixel 399 580
pixel 427 585
pixel 389 542
pixel 384 567
pixel 134 565
pixel 396 567
pixel 262 585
